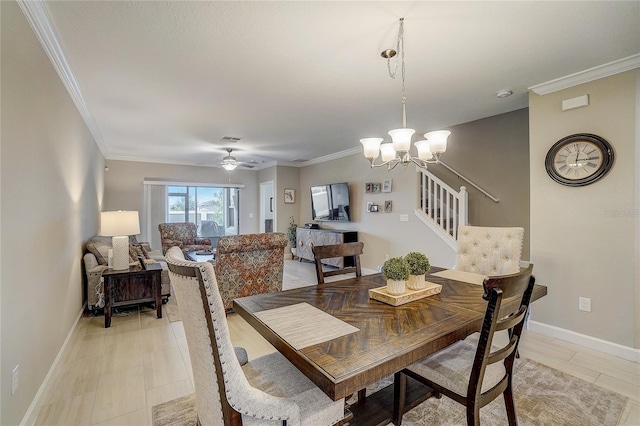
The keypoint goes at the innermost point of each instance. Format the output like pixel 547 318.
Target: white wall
pixel 51 190
pixel 583 240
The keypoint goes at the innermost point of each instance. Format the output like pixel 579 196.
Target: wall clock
pixel 579 159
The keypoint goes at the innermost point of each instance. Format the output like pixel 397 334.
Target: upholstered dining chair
pixel 475 374
pixel 268 390
pixel 489 250
pixel 337 250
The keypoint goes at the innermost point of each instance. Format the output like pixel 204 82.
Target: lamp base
pixel 120 252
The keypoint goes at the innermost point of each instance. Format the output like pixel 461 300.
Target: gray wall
pixel 585 239
pixel 494 154
pixel 124 188
pixel 51 191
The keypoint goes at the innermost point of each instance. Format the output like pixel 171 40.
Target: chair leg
pixel 399 395
pixel 473 414
pixel 510 405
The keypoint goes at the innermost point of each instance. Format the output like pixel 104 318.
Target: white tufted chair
pixel 266 391
pixel 489 250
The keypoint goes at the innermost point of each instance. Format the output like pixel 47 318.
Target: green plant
pixel 396 268
pixel 418 263
pixel 291 232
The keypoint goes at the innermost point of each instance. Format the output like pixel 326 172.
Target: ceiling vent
pixel 231 139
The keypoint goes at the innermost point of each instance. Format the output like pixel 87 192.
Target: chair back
pixel 249 264
pixel 499 317
pixel 208 338
pixel 489 250
pixel 337 250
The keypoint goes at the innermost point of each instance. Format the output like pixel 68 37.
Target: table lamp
pixel 119 225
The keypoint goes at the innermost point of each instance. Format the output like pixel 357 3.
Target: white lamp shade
pixel 424 151
pixel 229 166
pixel 371 147
pixel 119 223
pixel 401 139
pixel 387 151
pixel 437 140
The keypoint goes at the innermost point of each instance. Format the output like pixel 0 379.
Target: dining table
pixel 345 341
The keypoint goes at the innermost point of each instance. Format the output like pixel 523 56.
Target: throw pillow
pixel 100 246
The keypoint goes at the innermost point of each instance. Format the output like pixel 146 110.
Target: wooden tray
pixel 382 295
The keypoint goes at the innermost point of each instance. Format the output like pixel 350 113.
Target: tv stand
pixel 306 238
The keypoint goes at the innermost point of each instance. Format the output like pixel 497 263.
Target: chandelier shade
pixel 397 152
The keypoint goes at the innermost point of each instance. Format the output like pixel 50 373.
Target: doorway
pixel 267 207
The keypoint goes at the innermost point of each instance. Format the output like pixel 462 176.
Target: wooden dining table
pixel 379 339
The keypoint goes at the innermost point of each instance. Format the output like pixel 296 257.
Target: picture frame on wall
pixel 369 204
pixel 374 208
pixel 386 185
pixel 368 187
pixel 376 187
pixel 289 196
pixel 388 206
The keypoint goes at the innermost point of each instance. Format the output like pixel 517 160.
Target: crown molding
pixel 335 156
pixel 595 73
pixel 36 13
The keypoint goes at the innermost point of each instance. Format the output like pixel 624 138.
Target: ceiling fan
pixel 229 162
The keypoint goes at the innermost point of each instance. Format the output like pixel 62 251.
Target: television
pixel 330 202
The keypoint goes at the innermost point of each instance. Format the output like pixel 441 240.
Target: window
pixel 212 209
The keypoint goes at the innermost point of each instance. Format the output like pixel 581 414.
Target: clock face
pixel 579 159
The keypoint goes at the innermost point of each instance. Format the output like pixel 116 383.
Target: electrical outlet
pixel 14 379
pixel 404 218
pixel 584 304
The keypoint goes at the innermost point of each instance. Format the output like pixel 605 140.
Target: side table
pixel 132 286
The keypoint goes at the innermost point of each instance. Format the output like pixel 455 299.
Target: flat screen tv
pixel 330 202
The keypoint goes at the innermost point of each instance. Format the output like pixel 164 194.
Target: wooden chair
pixel 266 390
pixel 337 250
pixel 475 374
pixel 489 250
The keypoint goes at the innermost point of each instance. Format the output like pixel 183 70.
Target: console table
pixel 132 286
pixel 307 237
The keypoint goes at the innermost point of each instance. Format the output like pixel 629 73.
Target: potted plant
pixel 418 266
pixel 291 235
pixel 396 271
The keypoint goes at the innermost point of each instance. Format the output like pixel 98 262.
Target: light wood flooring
pixel 115 376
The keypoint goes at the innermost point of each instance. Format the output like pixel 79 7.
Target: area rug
pixel 543 396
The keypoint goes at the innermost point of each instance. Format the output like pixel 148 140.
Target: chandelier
pixel 397 151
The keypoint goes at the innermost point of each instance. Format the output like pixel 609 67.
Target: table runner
pixel 302 325
pixel 466 277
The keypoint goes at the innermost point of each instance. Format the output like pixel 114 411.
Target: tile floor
pixel 115 376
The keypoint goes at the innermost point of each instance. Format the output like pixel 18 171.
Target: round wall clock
pixel 579 159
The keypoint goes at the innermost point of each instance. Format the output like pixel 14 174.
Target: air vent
pixel 232 139
pixel 298 160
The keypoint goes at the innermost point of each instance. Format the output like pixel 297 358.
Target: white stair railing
pixel 442 208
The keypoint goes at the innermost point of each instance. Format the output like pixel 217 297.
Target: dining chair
pixel 489 250
pixel 337 250
pixel 474 374
pixel 268 390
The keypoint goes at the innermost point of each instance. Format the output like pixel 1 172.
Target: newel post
pixel 463 201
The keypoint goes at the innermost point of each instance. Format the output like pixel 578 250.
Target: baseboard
pixel 624 352
pixel 31 415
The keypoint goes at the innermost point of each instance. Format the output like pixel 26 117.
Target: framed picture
pixel 289 196
pixel 376 187
pixel 388 206
pixel 374 208
pixel 386 185
pixel 368 187
pixel 369 204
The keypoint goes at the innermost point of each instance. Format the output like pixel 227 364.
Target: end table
pixel 132 286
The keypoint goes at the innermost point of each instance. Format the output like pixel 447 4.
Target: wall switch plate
pixel 404 218
pixel 584 304
pixel 14 379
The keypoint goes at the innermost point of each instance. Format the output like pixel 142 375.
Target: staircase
pixel 442 208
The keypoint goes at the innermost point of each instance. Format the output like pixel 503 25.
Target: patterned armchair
pixel 249 264
pixel 182 235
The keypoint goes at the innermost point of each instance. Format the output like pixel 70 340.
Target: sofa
pixel 249 264
pixel 183 235
pixel 96 261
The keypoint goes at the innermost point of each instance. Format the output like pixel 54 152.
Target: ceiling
pixel 166 81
